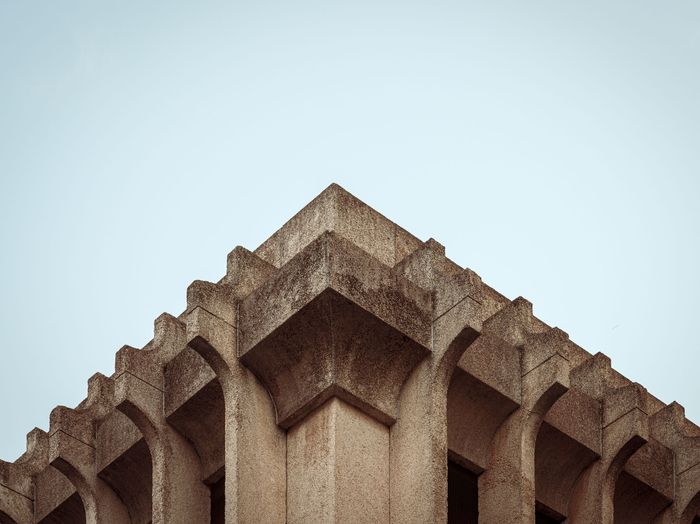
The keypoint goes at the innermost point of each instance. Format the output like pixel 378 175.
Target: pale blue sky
pixel 552 146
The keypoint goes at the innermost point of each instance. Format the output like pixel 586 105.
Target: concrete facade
pixel 346 371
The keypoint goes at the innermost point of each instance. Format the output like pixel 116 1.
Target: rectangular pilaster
pixel 338 467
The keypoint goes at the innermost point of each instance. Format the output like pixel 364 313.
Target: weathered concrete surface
pixel 507 487
pixel 254 446
pixel 338 467
pixel 625 429
pixel 670 427
pixel 72 452
pixel 178 490
pixel 337 210
pixel 334 319
pixel 330 375
pixel 124 463
pixel 16 487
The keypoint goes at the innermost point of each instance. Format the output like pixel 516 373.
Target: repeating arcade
pixel 346 371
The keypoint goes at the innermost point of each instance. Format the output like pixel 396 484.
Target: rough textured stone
pixel 331 375
pixel 338 467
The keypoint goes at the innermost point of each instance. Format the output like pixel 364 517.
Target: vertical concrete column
pixel 338 467
pixel 418 483
pixel 419 450
pixel 507 487
pixel 254 446
pixel 179 493
pixel 625 428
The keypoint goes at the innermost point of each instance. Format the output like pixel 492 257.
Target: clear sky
pixel 551 146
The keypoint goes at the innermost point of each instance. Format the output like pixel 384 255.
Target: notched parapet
pixel 670 427
pixel 79 423
pixel 212 309
pixel 139 374
pixel 140 401
pixel 72 431
pixel 625 424
pixel 625 405
pixel 545 369
pixel 620 402
pixel 75 423
pixel 16 477
pixel 513 323
pixel 168 337
pixel 100 398
pixel 334 320
pixel 460 300
pixel 137 361
pixel 541 347
pixel 213 338
pixel 544 352
pixel 245 271
pixel 593 376
pixel 147 363
pixel 220 300
pixel 427 264
pixel 35 458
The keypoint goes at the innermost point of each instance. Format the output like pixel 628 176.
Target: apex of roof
pixel 335 209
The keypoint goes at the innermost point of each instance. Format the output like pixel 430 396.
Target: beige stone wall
pixel 331 376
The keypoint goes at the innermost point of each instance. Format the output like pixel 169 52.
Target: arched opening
pixel 124 463
pixel 57 501
pixel 645 486
pixel 478 402
pixel 194 406
pixel 567 444
pixel 635 501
